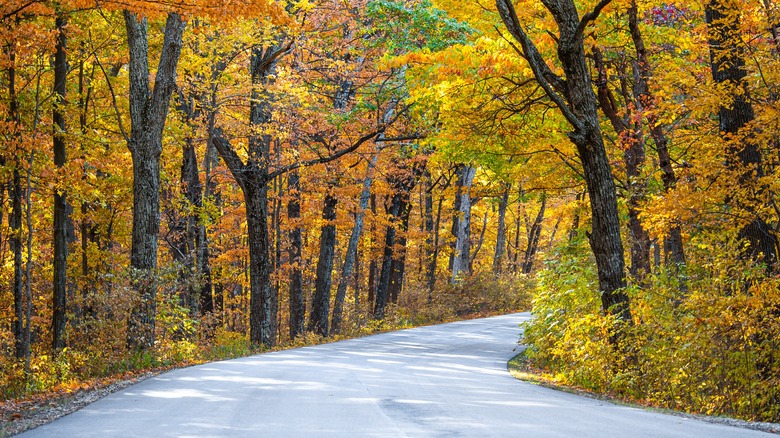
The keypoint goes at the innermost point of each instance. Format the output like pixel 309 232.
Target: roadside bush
pixel 713 349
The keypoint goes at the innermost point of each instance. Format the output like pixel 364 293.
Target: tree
pixel 148 113
pixel 61 207
pixel 744 155
pixel 462 223
pixel 352 247
pixel 573 95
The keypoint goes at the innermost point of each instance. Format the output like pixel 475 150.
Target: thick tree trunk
pixel 351 254
pixel 728 67
pixel 320 308
pixel 460 263
pixel 498 255
pixel 61 207
pixel 297 302
pixel 148 112
pixel 262 331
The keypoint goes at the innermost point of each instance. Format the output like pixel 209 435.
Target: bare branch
pixel 327 159
pixel 113 100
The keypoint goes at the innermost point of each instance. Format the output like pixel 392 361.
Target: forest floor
pixel 519 368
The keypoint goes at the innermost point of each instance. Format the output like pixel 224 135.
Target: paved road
pixel 441 381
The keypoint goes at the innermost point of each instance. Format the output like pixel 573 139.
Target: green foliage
pixel 419 26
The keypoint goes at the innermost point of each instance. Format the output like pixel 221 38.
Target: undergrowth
pixel 98 355
pixel 711 348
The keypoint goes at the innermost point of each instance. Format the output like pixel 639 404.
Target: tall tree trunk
pixel 402 186
pixel 148 112
pixel 647 102
pixel 431 238
pixel 277 218
pixel 261 311
pixel 372 264
pixel 480 241
pixel 498 255
pixel 210 298
pixel 456 216
pixel 398 266
pixel 15 241
pixel 28 265
pixel 61 207
pixel 576 100
pixel 534 233
pixel 436 249
pixel 515 256
pixel 351 254
pixel 253 178
pixel 87 228
pixel 632 137
pixel 320 308
pixel 744 155
pixel 387 261
pixel 460 264
pixel 15 219
pixel 297 302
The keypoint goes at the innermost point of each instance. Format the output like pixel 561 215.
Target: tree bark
pixel 372 264
pixel 460 263
pixel 398 266
pixel 297 302
pixel 320 309
pixel 498 255
pixel 148 112
pixel 632 138
pixel 21 349
pixel 647 102
pixel 15 223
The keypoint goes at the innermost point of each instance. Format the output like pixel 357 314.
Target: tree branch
pixel 538 65
pixel 165 80
pixel 327 159
pixel 228 153
pixel 113 100
pixel 590 16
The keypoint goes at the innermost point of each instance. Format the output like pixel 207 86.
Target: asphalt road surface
pixel 441 381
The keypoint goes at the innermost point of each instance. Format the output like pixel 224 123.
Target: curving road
pixel 440 381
